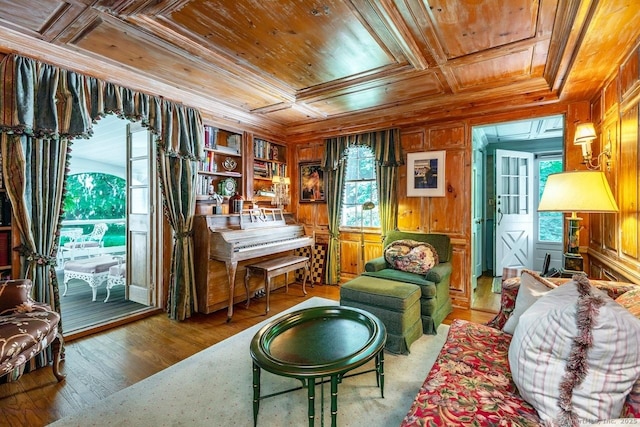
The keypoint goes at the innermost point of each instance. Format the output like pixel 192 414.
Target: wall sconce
pixel 585 134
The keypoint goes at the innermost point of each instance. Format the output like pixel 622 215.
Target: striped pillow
pixel 532 288
pixel 577 349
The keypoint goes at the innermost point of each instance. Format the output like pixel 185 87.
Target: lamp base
pixel 572 262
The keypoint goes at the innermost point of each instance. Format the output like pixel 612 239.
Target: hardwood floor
pixel 484 299
pixel 104 363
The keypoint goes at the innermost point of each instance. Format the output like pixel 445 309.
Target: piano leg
pixel 231 266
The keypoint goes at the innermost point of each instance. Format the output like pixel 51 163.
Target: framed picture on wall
pixel 425 174
pixel 312 184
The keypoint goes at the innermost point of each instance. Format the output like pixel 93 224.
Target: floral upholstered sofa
pixel 26 329
pixel 471 382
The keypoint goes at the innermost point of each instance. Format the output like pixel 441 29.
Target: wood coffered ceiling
pixel 304 66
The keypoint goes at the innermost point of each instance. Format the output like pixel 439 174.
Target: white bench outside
pixel 94 271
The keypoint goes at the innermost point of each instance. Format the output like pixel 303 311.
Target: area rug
pixel 214 388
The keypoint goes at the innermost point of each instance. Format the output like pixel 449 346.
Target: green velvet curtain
pixel 42 109
pixel 178 168
pixel 388 154
pixel 334 167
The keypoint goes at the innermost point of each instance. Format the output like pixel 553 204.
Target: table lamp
pixel 576 191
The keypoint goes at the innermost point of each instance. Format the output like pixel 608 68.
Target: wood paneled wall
pixel 609 242
pixel 448 215
pixel 614 245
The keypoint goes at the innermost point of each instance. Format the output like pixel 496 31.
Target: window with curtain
pixel 360 187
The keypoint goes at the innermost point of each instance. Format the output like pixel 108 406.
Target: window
pixel 360 187
pixel 550 226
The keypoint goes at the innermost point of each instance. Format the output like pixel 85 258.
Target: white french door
pixel 140 209
pixel 514 210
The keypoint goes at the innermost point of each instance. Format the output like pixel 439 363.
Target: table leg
pixel 380 371
pixel 311 393
pixel 334 401
pixel 267 285
pixel 256 393
pixel 94 287
pixel 286 282
pixel 247 275
pixel 304 277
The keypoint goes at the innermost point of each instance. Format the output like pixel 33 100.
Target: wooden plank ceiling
pixel 304 66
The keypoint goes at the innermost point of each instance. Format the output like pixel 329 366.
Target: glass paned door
pixel 514 210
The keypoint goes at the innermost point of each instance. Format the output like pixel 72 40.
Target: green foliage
pixel 94 196
pixel 550 226
pixel 360 187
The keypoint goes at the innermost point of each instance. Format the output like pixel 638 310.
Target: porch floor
pixel 79 312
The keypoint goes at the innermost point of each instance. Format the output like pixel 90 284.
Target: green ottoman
pixel 397 304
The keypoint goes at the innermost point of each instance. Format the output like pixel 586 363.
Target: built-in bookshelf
pixel 269 160
pixel 221 169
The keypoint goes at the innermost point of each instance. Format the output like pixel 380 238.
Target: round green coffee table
pixel 317 343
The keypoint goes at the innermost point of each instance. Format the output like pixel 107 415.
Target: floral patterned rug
pixel 214 388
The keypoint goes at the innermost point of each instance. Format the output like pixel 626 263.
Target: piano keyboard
pixel 272 243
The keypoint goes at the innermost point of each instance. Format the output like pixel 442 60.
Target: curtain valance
pixel 385 145
pixel 42 100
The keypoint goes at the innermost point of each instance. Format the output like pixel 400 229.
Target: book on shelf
pixel 204 185
pixel 210 137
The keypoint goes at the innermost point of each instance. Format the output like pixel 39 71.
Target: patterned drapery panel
pixel 178 173
pixel 388 154
pixel 42 109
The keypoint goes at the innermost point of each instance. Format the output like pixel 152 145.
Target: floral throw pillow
pixel 631 301
pixel 411 256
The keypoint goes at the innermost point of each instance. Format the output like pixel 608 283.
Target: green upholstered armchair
pixel 435 302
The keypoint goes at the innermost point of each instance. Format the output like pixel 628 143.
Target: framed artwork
pixel 312 184
pixel 425 174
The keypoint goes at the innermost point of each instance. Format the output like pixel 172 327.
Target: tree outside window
pixel 360 187
pixel 97 196
pixel 550 226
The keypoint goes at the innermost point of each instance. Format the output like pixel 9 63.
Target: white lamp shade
pixel 585 133
pixel 577 191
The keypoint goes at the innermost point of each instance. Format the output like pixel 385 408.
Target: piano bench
pixel 275 267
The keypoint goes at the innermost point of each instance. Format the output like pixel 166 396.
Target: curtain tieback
pixel 182 234
pixel 36 258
